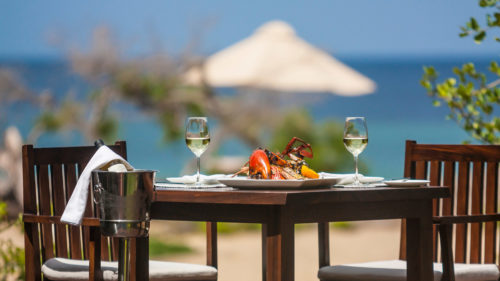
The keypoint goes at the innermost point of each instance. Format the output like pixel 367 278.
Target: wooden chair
pixel 56 251
pixel 469 217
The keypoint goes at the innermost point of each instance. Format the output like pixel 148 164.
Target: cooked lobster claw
pixel 303 149
pixel 258 165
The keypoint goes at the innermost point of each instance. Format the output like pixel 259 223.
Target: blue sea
pixel 399 110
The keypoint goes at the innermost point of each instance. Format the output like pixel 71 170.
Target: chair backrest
pixel 49 177
pixel 471 172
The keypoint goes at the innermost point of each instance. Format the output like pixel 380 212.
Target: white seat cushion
pixel 395 270
pixel 76 270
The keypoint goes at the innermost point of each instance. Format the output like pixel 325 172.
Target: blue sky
pixel 346 28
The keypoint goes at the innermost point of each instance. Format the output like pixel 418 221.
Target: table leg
pixel 141 258
pixel 264 253
pixel 278 247
pixel 419 245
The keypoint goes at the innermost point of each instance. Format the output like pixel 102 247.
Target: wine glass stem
pixel 198 170
pixel 356 176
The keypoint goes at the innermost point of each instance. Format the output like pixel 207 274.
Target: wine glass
pixel 355 140
pixel 197 139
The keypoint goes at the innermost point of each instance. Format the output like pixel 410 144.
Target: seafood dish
pixel 289 164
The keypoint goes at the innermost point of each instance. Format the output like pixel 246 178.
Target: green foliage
pixel 3 211
pixel 471 99
pixel 325 139
pixel 92 118
pixel 478 31
pixel 159 248
pixel 49 121
pixel 161 94
pixel 11 257
pixel 342 225
pixel 228 228
pixel 11 261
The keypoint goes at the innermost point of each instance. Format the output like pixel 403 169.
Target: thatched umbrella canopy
pixel 275 58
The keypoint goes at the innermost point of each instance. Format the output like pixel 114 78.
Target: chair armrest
pixel 31 218
pixel 466 219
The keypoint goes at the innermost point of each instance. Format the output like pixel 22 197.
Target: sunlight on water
pixel 397 111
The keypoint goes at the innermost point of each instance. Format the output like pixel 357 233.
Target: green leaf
pixel 436 103
pixel 473 24
pixel 483 3
pixel 489 21
pixel 497 18
pixel 430 72
pixel 426 84
pixel 478 38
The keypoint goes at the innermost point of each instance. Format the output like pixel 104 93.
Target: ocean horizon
pixel 397 111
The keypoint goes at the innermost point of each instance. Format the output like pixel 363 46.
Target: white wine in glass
pixel 197 139
pixel 355 140
pixel 197 145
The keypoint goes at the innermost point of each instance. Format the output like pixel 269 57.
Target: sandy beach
pixel 240 253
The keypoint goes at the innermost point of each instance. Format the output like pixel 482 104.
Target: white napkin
pixel 190 179
pixel 76 205
pixel 349 178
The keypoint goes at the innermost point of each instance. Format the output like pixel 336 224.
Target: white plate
pixel 246 183
pixel 405 182
pixel 190 179
pixel 168 185
pixel 349 178
pixel 366 179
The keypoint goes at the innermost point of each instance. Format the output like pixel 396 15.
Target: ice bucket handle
pixel 97 192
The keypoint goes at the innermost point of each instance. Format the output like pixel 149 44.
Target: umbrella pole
pixel 124 259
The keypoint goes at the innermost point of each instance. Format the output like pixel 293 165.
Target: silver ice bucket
pixel 123 201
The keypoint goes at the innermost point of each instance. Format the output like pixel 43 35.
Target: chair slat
pixel 462 203
pixel 475 246
pixel 421 170
pixel 85 242
pixel 104 249
pixel 44 203
pixel 88 213
pixel 114 248
pixel 434 177
pixel 448 180
pixel 491 201
pixel 59 203
pixel 31 233
pixel 74 231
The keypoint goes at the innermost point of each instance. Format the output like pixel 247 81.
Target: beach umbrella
pixel 275 58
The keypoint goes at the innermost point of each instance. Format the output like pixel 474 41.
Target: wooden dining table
pixel 279 210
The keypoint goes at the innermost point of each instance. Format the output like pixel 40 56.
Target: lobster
pixel 264 164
